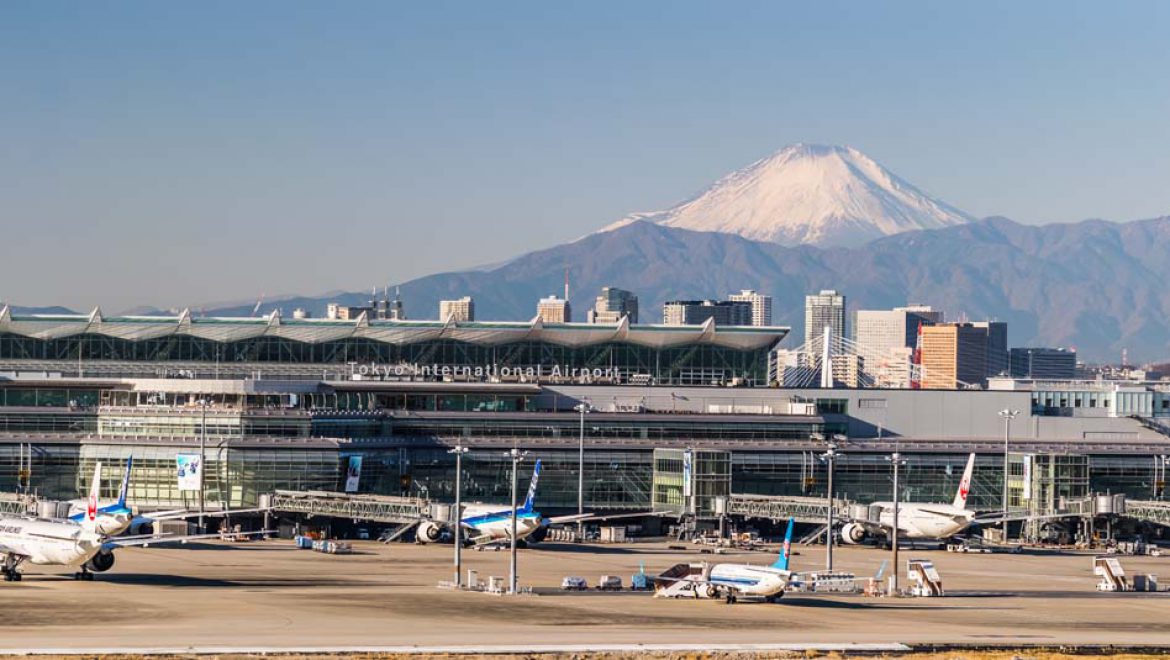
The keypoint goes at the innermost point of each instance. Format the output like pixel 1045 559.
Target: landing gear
pixel 730 600
pixel 83 574
pixel 9 569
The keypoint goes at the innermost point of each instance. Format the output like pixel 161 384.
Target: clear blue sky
pixel 178 153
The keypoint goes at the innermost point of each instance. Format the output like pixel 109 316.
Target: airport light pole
pixel 830 458
pixel 516 455
pixel 582 408
pixel 459 451
pixel 1008 415
pixel 202 458
pixel 897 461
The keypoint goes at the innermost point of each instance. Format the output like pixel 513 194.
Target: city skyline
pixel 146 140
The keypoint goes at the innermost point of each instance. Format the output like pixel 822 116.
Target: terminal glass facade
pixel 688 364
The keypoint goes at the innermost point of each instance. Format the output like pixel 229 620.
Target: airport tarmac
pixel 270 595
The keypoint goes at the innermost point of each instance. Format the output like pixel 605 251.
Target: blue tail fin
pixel 530 501
pixel 786 551
pixel 125 482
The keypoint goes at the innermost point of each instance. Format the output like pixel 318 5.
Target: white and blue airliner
pixel 491 523
pixel 729 581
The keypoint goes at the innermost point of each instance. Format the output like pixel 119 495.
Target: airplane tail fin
pixel 786 550
pixel 965 484
pixel 125 483
pixel 530 500
pixel 91 505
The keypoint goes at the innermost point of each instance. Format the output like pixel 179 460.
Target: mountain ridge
pixel 1094 285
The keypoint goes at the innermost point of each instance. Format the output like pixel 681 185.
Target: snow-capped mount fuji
pixel 809 194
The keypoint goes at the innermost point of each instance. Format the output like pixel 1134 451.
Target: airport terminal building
pixel 286 405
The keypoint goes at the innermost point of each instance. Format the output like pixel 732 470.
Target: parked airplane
pixel 729 581
pixel 917 521
pixel 118 518
pixel 63 542
pixel 490 523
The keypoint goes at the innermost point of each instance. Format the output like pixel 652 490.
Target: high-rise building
pixel 1043 363
pixel 953 355
pixel 761 305
pixel 696 312
pixel 554 310
pixel 997 346
pixel 826 308
pixel 461 310
pixel 612 305
pixel 880 331
pixel 925 311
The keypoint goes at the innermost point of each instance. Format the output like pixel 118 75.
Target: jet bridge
pixel 781 508
pixel 374 508
pixel 1153 511
pixel 15 504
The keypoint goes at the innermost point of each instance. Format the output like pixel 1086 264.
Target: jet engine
pixel 852 533
pixel 537 535
pixel 429 532
pixel 101 562
pixel 140 527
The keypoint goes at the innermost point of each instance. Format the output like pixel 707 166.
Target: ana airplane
pixel 491 523
pixel 917 521
pixel 119 518
pixel 64 542
pixel 729 581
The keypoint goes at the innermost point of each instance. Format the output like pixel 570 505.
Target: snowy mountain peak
pixel 809 194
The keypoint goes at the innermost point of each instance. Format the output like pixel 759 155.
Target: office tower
pixel 460 310
pixel 997 346
pixel 953 355
pixel 696 312
pixel 761 305
pixel 826 308
pixel 612 305
pixel 554 310
pixel 880 331
pixel 925 311
pixel 1043 363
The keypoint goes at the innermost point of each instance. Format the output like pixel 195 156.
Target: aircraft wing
pixel 589 517
pixel 1000 517
pixel 180 514
pixel 146 541
pixel 725 584
pixel 577 517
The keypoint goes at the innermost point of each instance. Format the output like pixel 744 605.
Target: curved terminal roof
pixel 225 329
